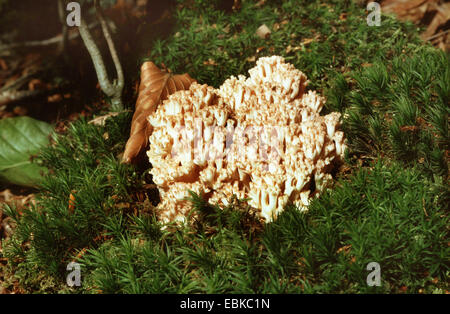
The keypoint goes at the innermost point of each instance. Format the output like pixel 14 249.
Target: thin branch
pixel 438 35
pixel 35 43
pixel 111 46
pixel 97 59
pixel 65 30
pixel 113 90
pixel 20 81
pixel 46 42
pixel 11 97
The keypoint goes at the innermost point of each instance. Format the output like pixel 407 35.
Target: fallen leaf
pixel 410 128
pixel 263 32
pixel 345 249
pixel 434 14
pixel 3 65
pixel 22 138
pixel 237 5
pixel 71 203
pixel 123 205
pixel 35 84
pixel 80 254
pixel 290 48
pixel 227 29
pixel 260 3
pixel 402 7
pixel 20 111
pixel 441 17
pixel 54 98
pixel 210 62
pixel 156 86
pixel 101 120
pixel 307 41
pixel 8 225
pixel 259 49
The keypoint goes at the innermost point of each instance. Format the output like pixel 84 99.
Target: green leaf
pixel 20 139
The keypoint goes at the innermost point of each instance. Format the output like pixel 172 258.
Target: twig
pixel 43 43
pixel 113 90
pixel 423 206
pixel 112 48
pixel 19 82
pixel 438 35
pixel 35 43
pixel 97 60
pixel 64 34
pixel 14 96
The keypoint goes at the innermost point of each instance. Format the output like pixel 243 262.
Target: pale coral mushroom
pixel 260 137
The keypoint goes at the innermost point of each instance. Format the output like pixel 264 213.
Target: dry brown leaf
pixel 408 128
pixel 345 249
pixel 19 201
pixel 260 3
pixel 290 48
pixel 3 65
pixel 35 84
pixel 102 119
pixel 402 8
pixel 156 86
pixel 307 41
pixel 237 5
pixel 20 111
pixel 403 289
pixel 434 14
pixel 210 62
pixel 441 18
pixel 71 203
pixel 54 98
pixel 263 32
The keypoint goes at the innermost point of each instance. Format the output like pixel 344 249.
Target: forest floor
pixel 66 94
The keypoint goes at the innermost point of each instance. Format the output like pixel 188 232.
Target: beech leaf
pixel 155 87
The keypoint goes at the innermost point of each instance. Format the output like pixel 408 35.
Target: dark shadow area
pixel 66 81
